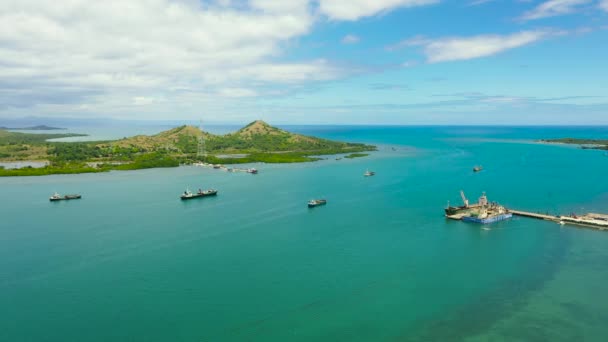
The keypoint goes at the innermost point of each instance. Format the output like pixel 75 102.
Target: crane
pixel 464 199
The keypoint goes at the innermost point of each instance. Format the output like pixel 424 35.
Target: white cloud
pixel 552 8
pixel 356 9
pixel 145 100
pixel 236 92
pixel 604 5
pixel 463 48
pixel 350 39
pixel 102 51
pixel 281 6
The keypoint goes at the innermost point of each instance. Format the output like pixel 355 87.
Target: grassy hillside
pixel 256 142
pixel 26 146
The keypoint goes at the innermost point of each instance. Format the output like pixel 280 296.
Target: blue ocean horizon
pixel 130 261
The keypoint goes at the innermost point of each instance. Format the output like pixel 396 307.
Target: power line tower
pixel 200 153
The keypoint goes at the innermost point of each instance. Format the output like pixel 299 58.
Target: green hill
pixel 256 142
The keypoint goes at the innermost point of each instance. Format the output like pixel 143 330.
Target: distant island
pixel 34 128
pixel 591 144
pixel 256 142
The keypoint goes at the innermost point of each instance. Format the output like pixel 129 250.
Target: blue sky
pixel 307 61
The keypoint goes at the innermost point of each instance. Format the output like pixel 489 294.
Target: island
pixel 256 142
pixel 34 128
pixel 592 144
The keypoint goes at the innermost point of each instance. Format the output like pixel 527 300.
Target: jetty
pixel 534 215
pixel 467 210
pixel 224 168
pixel 590 220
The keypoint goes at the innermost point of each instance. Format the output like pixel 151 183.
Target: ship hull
pixel 185 198
pixel 455 210
pixel 65 198
pixel 487 220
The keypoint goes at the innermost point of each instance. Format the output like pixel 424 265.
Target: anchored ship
pixel 58 197
pixel 201 193
pixel 316 202
pixel 369 173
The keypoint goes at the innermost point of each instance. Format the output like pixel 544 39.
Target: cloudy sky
pixel 307 61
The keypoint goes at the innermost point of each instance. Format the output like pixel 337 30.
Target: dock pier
pixel 591 220
pixel 535 215
pixel 464 212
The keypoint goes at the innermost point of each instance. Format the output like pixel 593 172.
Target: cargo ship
pixel 201 193
pixel 482 212
pixel 450 210
pixel 58 197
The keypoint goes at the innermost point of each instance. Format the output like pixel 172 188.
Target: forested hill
pixel 256 142
pixel 258 136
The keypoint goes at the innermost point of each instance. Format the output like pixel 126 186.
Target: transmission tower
pixel 200 153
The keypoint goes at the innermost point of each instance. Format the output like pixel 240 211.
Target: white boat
pixel 369 173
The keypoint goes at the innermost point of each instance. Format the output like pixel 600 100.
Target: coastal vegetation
pixel 356 155
pixel 594 144
pixel 33 128
pixel 256 142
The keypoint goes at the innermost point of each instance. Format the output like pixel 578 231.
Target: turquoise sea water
pixel 379 262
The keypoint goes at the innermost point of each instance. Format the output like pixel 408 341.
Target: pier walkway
pixel 534 215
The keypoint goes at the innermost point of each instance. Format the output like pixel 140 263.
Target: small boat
pixel 217 166
pixel 200 193
pixel 316 202
pixel 369 173
pixel 252 171
pixel 477 168
pixel 58 197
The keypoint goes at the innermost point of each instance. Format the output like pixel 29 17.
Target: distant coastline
pixel 586 144
pixel 256 142
pixel 33 128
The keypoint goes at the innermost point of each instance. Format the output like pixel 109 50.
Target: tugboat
pixel 253 171
pixel 58 197
pixel 316 202
pixel 201 193
pixel 477 168
pixel 369 173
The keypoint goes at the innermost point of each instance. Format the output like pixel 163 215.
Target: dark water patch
pixel 505 299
